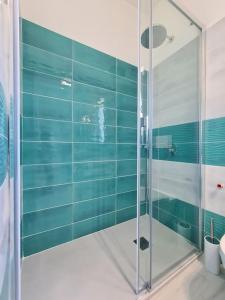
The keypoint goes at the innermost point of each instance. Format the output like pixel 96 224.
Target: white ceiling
pixel 206 12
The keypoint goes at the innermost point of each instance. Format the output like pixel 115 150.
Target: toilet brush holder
pixel 211 254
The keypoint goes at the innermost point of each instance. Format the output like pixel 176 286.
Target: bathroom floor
pixel 101 265
pixel 193 283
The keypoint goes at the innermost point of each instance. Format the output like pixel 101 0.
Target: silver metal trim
pixel 16 89
pixel 138 153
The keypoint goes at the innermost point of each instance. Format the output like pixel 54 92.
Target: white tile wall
pixel 215 71
pixel 176 180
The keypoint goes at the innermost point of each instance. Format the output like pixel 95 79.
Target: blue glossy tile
pixel 127 103
pixel 46 152
pixel 93 170
pixel 126 200
pixel 126 151
pixel 126 167
pixel 93 152
pixel 127 70
pixel 214 130
pixel 92 225
pixel 94 133
pixel 46 175
pixel 46 130
pixel 39 242
pixel 97 114
pixel 93 57
pixel 46 85
pixel 126 86
pixel 126 119
pixel 43 38
pixel 89 75
pixel 93 189
pixel 93 95
pixel 3 158
pixel 128 213
pixel 3 113
pixel 93 208
pixel 37 222
pixel 126 135
pixel 46 108
pixel 214 154
pixel 46 62
pixel 47 197
pixel 188 153
pixel 126 184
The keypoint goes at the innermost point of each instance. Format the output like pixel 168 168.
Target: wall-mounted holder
pixel 184 229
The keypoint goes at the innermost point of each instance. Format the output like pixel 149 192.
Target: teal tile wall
pixel 78 139
pixel 172 212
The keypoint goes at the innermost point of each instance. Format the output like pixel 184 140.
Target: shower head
pixel 159 36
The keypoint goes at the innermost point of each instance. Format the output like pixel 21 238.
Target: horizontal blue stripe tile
pixel 218 221
pixel 46 130
pixel 126 184
pixel 126 135
pixel 46 175
pixel 183 133
pixel 126 167
pixel 46 85
pixel 93 152
pixel 37 222
pixel 89 75
pixel 46 62
pixel 39 242
pixel 4 151
pixel 93 189
pixel 93 57
pixel 94 133
pixel 126 102
pixel 126 200
pixel 126 151
pixel 188 153
pixel 126 119
pixel 214 154
pixel 46 108
pixel 47 197
pixel 92 225
pixel 43 38
pixel 126 86
pixel 93 170
pixel 126 70
pixel 93 114
pixel 93 95
pixel 214 130
pixel 93 208
pixel 43 153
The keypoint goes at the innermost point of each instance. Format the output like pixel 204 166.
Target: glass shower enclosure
pixel 110 146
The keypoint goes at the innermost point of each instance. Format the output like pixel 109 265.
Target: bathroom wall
pixel 176 180
pixel 214 128
pixel 79 139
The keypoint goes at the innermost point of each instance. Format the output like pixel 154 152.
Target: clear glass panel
pixel 7 266
pixel 176 181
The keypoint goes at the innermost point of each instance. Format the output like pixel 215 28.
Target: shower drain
pixel 144 244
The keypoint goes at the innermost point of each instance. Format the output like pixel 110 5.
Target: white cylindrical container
pixel 184 229
pixel 211 255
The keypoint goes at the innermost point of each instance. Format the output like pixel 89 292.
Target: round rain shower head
pixel 159 36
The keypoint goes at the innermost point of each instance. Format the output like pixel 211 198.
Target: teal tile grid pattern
pixel 78 139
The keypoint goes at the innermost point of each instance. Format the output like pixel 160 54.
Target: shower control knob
pixel 220 186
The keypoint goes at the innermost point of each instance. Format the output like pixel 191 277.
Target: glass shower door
pixel 169 139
